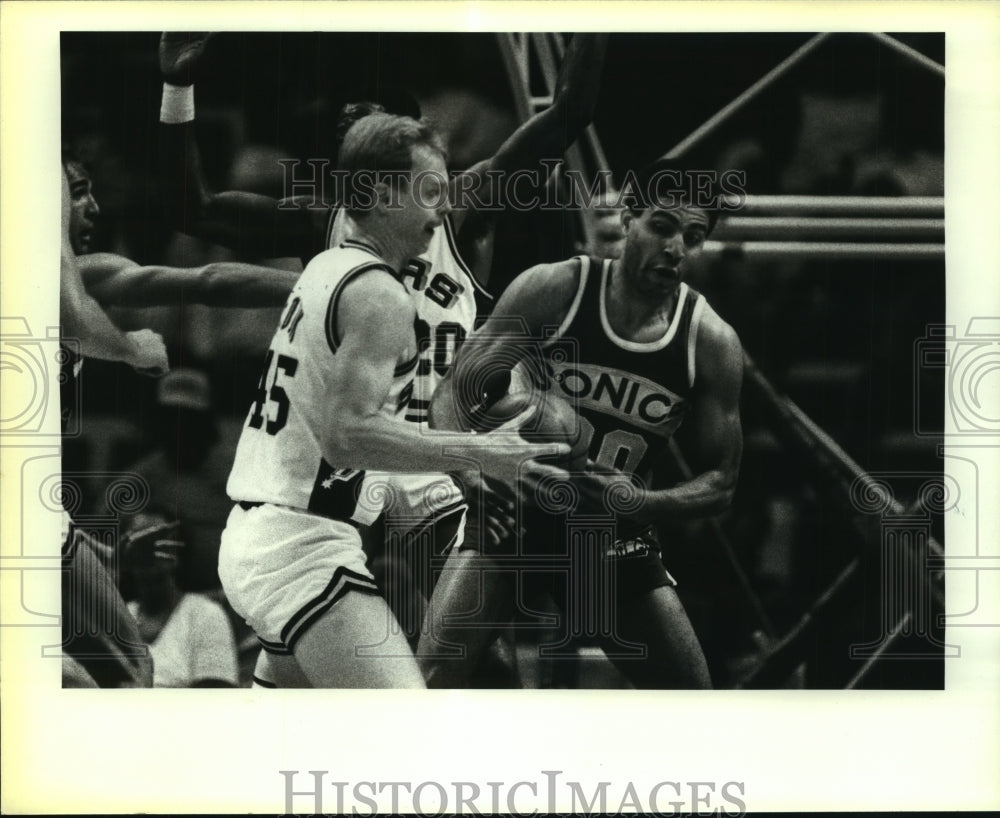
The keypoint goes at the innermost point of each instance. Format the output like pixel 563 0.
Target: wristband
pixel 177 104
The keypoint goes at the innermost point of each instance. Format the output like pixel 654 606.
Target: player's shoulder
pixel 718 344
pixel 343 259
pixel 338 257
pixel 373 288
pixel 714 329
pixel 552 283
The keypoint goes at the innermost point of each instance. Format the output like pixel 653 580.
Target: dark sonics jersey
pixel 631 396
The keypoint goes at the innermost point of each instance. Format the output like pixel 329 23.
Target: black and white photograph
pixel 604 377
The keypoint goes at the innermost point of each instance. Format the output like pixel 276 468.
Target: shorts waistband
pixel 247 506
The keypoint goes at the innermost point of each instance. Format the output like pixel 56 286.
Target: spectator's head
pixel 83 206
pixel 185 418
pixel 605 234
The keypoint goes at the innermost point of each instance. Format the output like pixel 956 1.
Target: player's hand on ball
pixel 539 479
pixel 491 508
pixel 150 356
pixel 180 53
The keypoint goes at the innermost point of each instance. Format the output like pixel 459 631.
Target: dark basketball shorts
pixel 580 563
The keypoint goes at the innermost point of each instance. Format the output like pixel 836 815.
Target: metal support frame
pixel 780 662
pixel 829 251
pixel 754 228
pixel 747 597
pixel 549 50
pixel 713 122
pixel 865 669
pixel 720 116
pixel 929 207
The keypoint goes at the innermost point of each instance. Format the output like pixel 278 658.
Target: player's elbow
pixel 344 433
pixel 210 283
pixel 350 433
pixel 725 491
pixel 724 499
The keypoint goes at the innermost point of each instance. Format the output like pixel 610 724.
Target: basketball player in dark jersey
pixel 645 352
pixel 110 654
pixel 114 280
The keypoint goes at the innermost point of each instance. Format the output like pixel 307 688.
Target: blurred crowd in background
pixel 838 336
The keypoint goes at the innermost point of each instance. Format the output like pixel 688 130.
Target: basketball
pixel 554 421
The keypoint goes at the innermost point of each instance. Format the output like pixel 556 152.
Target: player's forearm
pixel 580 80
pixel 377 443
pixel 233 284
pixel 702 496
pixel 184 190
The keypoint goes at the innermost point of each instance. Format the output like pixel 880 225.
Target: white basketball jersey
pixel 279 458
pixel 444 295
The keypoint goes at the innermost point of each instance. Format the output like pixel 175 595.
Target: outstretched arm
pixel 255 225
pixel 119 281
pixel 82 318
pixel 546 135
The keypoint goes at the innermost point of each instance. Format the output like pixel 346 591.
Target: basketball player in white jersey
pixel 336 387
pixel 444 287
pixel 644 352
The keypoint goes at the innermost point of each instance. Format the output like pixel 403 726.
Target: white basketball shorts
pixel 283 568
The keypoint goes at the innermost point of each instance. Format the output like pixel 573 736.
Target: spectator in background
pixel 187 471
pixel 603 228
pixel 188 634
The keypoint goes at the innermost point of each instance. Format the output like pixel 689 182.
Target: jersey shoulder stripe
pixel 696 313
pixel 331 308
pixel 574 307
